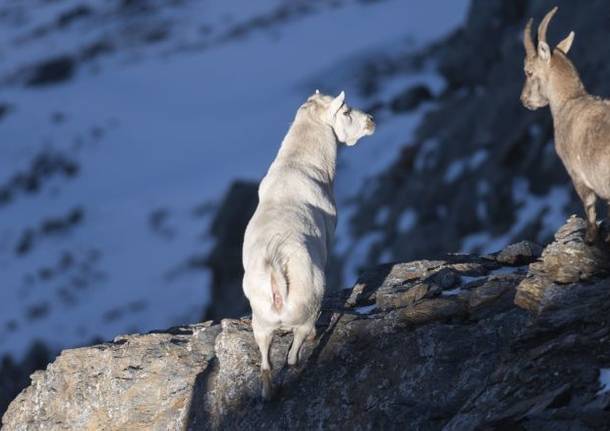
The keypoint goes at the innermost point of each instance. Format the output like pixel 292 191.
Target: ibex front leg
pixel 588 198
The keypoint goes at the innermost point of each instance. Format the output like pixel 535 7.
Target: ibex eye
pixel 346 113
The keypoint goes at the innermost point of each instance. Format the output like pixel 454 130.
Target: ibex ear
pixel 566 44
pixel 544 52
pixel 337 103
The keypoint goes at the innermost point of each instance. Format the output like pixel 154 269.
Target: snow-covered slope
pixel 122 123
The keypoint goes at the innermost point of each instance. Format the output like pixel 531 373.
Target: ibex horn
pixel 527 39
pixel 544 24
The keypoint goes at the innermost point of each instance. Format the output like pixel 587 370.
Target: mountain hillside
pixel 460 343
pixel 133 134
pixel 124 123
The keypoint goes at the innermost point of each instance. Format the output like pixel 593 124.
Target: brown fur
pixel 581 121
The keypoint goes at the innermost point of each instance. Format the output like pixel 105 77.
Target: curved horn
pixel 544 24
pixel 530 51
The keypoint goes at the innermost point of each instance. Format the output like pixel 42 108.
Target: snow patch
pixel 407 220
pixel 530 206
pixel 454 171
pixel 452 292
pixel 357 254
pixel 427 156
pixel 382 216
pixel 465 279
pixel 158 126
pixel 604 380
pixel 457 168
pixel 366 309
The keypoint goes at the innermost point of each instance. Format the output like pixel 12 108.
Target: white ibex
pixel 581 121
pixel 289 236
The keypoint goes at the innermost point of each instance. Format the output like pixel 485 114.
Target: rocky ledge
pixel 459 343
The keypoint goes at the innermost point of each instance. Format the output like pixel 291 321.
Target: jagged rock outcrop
pixel 425 345
pixel 566 261
pixel 15 375
pixel 224 260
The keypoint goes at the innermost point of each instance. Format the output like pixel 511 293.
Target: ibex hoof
pixel 267 391
pixel 591 235
pixel 590 239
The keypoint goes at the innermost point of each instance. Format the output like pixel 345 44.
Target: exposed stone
pixel 521 253
pixel 135 382
pixel 394 299
pixel 14 375
pixel 563 264
pixel 415 345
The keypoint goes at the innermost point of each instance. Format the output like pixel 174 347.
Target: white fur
pixel 287 241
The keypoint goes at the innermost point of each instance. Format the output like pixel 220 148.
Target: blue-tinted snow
pixel 180 121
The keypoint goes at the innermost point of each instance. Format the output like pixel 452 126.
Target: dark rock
pixel 224 261
pixel 521 253
pixel 58 117
pixel 411 98
pixel 37 311
pixel 158 222
pixel 136 5
pixel 96 49
pixel 43 167
pixel 55 225
pixel 4 110
pixel 48 226
pixel 25 243
pixel 156 35
pixel 52 71
pixel 73 14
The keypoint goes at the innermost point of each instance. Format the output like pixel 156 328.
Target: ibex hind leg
pixel 263 337
pixel 300 333
pixel 589 199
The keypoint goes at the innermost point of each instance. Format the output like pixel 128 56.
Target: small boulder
pixel 564 263
pixel 411 98
pixel 52 71
pixel 521 253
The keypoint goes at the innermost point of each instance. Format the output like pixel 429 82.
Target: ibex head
pixel 537 65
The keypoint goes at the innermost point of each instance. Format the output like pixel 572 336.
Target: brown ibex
pixel 581 121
